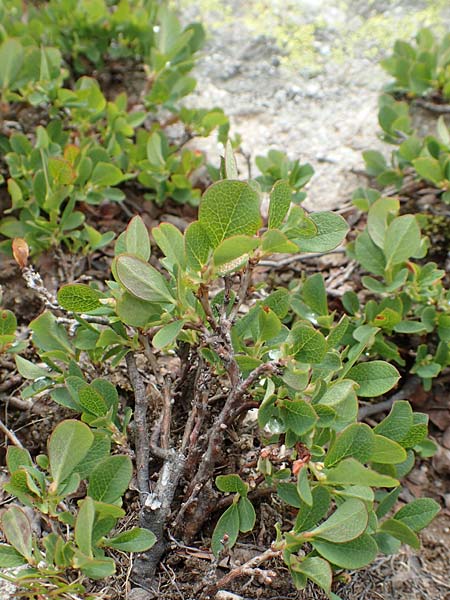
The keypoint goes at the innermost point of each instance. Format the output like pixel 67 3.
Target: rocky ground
pixel 303 76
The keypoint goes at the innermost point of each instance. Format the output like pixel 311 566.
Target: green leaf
pixel 247 515
pixel 171 242
pixel 48 335
pixel 402 239
pixel 67 446
pixel 316 569
pixel 349 555
pixel 227 525
pixel 133 540
pixel 386 543
pixel 341 396
pixel 28 369
pixel 288 493
pixel 347 522
pixel 16 458
pixel 377 219
pixel 8 322
pixel 358 491
pixel 273 241
pixel 429 168
pixel 280 201
pixel 95 568
pixel 99 450
pixel 234 247
pixel 303 488
pixel 387 502
pixel 351 472
pixel 12 56
pixel 299 416
pixel 374 377
pixel 308 344
pixel 418 514
pixel 269 325
pixel 231 483
pixel 142 280
pixel 375 162
pixel 314 294
pixel 78 298
pixel 398 422
pixel 369 255
pixel 110 478
pixel 84 526
pixel 92 401
pixel 17 530
pixel 167 334
pixel 386 451
pixel 229 208
pixel 278 301
pixel 106 175
pixel 137 239
pixel 309 516
pixel 401 532
pixel 135 312
pixel 410 327
pixel 198 246
pixel 331 231
pixel 357 440
pixel 10 558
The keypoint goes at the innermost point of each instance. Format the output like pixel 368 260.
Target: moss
pixel 296 33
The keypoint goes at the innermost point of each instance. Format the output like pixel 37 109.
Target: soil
pixel 317 100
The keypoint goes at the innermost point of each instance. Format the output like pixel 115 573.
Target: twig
pixel 432 106
pixel 10 383
pixel 210 456
pixel 248 569
pixel 34 282
pixel 203 296
pixel 10 435
pixel 140 420
pixel 17 402
pixel 155 505
pixel 246 277
pixel 407 390
pixel 284 262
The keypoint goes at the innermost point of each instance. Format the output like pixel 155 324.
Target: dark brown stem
pixel 203 296
pixel 206 467
pixel 246 277
pixel 432 106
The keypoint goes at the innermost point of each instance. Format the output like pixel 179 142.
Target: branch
pixel 141 441
pixel 284 262
pixel 248 569
pixel 432 106
pixel 10 435
pixel 207 464
pixel 246 277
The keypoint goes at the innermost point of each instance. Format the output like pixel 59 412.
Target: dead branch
pixel 10 435
pixel 248 569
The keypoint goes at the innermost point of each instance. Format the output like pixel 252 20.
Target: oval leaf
pixel 141 279
pixel 67 446
pixel 375 378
